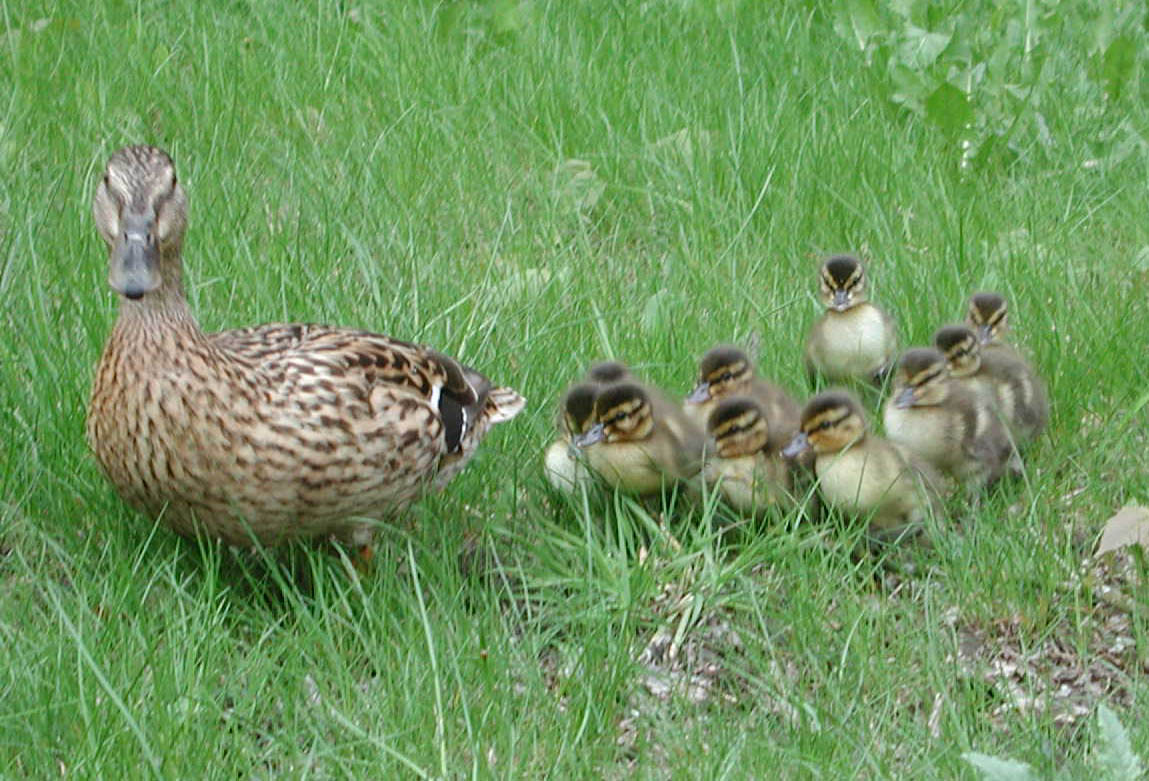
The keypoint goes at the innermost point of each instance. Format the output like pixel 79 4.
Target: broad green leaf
pixel 997 769
pixel 857 21
pixel 447 19
pixel 920 48
pixel 1117 65
pixel 948 108
pixel 1114 751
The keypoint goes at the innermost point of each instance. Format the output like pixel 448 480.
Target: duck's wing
pixel 306 358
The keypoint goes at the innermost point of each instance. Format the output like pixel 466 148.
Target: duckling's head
pixel 578 407
pixel 622 413
pixel 959 344
pixel 725 370
pixel 609 372
pixel 141 212
pixel 988 316
pixel 922 378
pixel 831 421
pixel 738 427
pixel 843 283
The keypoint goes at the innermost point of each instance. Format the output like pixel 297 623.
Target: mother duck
pixel 268 433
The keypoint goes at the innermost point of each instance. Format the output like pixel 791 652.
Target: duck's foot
pixel 364 558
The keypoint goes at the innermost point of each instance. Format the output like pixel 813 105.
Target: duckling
pixel 726 371
pixel 1001 376
pixel 853 339
pixel 943 423
pixel 564 469
pixel 268 433
pixel 639 443
pixel 859 472
pixel 609 372
pixel 988 316
pixel 751 475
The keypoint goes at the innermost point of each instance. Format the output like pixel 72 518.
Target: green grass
pixel 531 187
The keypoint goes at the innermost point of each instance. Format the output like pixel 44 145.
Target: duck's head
pixel 578 408
pixel 141 212
pixel 959 344
pixel 842 282
pixel 922 378
pixel 622 413
pixel 988 315
pixel 738 427
pixel 831 421
pixel 609 372
pixel 724 371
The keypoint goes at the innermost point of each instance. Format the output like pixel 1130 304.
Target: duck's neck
pixel 163 309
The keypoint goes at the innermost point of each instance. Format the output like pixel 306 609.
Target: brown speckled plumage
pixel 265 433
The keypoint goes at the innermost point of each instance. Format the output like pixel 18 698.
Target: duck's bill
pixel 134 268
pixel 798 445
pixel 700 393
pixel 841 299
pixel 984 334
pixel 904 398
pixel 593 434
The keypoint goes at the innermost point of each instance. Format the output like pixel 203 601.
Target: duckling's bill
pixel 700 394
pixel 798 445
pixel 592 435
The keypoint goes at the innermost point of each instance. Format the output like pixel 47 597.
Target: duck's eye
pixel 106 180
pixel 825 424
pixel 726 377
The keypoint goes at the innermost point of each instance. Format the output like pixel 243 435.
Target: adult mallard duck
pixel 267 433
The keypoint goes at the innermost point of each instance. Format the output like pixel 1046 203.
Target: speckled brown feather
pixel 276 431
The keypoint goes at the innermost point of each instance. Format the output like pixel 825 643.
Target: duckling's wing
pixel 783 414
pixel 1030 400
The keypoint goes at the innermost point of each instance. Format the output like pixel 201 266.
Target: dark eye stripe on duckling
pixel 852 283
pixel 845 273
pixel 928 376
pixel 735 370
pixel 827 419
pixel 959 350
pixel 747 421
pixel 627 409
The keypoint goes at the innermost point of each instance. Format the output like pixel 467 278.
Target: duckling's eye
pixel 726 377
pixel 825 424
pixel 106 181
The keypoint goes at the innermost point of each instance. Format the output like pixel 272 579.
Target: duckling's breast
pixel 748 483
pixel 564 469
pixel 854 343
pixel 627 466
pixel 931 433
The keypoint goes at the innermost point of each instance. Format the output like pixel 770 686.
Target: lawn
pixel 533 186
